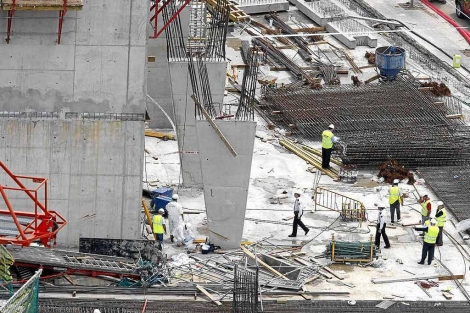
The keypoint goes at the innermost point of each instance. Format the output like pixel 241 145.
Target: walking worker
pixel 327 141
pixel 381 225
pixel 394 199
pixel 441 216
pixel 298 212
pixel 175 215
pixel 159 227
pixel 430 236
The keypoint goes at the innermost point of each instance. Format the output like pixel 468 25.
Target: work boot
pixel 291 235
pixel 422 263
pixel 306 232
pixel 172 238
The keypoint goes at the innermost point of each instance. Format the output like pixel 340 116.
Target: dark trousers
pixel 439 236
pixel 298 222
pixel 325 157
pixel 428 249
pixel 378 233
pixel 395 206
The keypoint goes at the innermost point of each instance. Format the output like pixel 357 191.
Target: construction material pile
pixel 390 120
pixel 391 170
pixel 438 89
pixel 350 251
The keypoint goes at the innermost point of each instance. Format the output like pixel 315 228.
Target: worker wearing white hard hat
pixel 441 217
pixel 159 227
pixel 327 142
pixel 175 215
pixel 298 212
pixel 431 231
pixel 395 198
pixel 381 226
pixel 183 234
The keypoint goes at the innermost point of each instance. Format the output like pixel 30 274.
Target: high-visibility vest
pixel 158 224
pixel 326 141
pixel 424 208
pixel 431 235
pixel 441 220
pixel 394 195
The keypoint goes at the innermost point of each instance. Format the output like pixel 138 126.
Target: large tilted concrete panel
pixel 226 178
pixel 94 170
pixel 184 109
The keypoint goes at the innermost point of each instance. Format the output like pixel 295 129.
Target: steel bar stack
pixel 245 109
pixel 390 120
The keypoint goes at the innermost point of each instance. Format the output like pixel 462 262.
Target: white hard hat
pixel 433 221
pixel 175 197
pixel 331 126
pixel 396 181
pixel 380 205
pixel 161 211
pixel 439 203
pixel 96 311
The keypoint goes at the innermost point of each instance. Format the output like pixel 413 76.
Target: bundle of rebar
pixel 201 85
pixel 176 46
pixel 245 109
pixel 391 120
pixel 217 30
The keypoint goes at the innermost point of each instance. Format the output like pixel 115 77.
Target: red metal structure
pixel 24 228
pixel 157 8
pixel 53 5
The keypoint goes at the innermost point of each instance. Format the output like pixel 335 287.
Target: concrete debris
pixel 385 304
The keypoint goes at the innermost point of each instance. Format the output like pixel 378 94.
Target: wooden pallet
pixel 236 14
pixel 41 5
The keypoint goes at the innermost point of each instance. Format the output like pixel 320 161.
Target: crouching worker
pixel 184 236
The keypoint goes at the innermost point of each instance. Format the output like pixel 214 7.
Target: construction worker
pixel 328 139
pixel 159 227
pixel 394 199
pixel 381 225
pixel 441 216
pixel 425 209
pixel 175 215
pixel 430 236
pixel 298 212
pixel 183 234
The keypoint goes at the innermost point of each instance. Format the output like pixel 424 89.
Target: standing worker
pixel 394 199
pixel 430 236
pixel 298 212
pixel 425 209
pixel 327 141
pixel 175 215
pixel 441 216
pixel 381 225
pixel 159 227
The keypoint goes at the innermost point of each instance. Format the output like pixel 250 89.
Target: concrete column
pixel 226 178
pixel 185 114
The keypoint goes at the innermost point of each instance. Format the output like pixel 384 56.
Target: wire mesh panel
pixel 25 300
pixel 245 291
pixel 6 260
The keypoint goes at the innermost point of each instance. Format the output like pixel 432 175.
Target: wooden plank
pixel 395 280
pixel 372 79
pixel 214 125
pixel 327 275
pixel 454 116
pixel 41 5
pixel 204 291
pixel 147 214
pixel 269 268
pixel 425 88
pixel 329 270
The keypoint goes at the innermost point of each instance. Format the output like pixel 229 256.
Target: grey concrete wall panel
pixel 94 170
pixel 345 39
pixel 267 7
pixel 226 178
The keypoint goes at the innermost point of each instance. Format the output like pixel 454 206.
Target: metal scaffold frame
pixel 158 9
pixel 17 5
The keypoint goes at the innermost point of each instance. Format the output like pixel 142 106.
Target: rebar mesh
pixel 25 300
pixel 245 291
pixel 245 109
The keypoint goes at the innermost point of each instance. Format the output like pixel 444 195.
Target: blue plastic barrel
pixel 390 60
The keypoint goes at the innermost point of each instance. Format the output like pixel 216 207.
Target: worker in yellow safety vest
pixel 394 199
pixel 327 141
pixel 429 243
pixel 159 227
pixel 441 216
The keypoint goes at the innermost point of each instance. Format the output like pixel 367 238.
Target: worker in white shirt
pixel 298 212
pixel 175 215
pixel 381 225
pixel 183 234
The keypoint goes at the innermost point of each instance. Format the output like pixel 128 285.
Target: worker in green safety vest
pixel 394 199
pixel 425 209
pixel 159 227
pixel 327 142
pixel 429 243
pixel 441 216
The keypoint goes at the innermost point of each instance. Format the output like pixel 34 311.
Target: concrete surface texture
pixel 263 6
pixel 226 178
pixel 94 166
pixel 185 114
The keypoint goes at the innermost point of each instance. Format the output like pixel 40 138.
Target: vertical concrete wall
pixel 94 167
pixel 185 114
pixel 226 178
